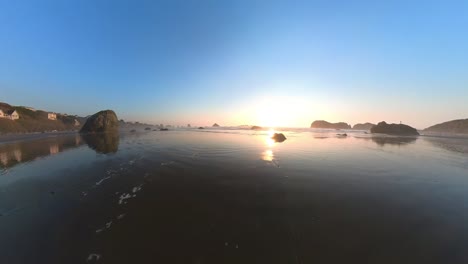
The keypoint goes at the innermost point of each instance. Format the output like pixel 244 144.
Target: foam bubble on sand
pixel 93 256
pixel 137 188
pixel 124 197
pixel 103 179
pixel 107 226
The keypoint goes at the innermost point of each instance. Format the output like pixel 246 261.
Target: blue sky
pixel 233 62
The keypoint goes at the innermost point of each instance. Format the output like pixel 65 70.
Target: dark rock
pixel 103 121
pixel 365 126
pixel 215 125
pixel 148 128
pixel 201 128
pixel 328 125
pixel 278 137
pixel 342 135
pixel 394 129
pixel 132 131
pixel 256 128
pixel 163 129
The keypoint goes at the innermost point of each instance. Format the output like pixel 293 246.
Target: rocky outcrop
pixel 278 137
pixel 256 128
pixel 215 125
pixel 394 129
pixel 103 121
pixel 328 125
pixel 459 126
pixel 365 126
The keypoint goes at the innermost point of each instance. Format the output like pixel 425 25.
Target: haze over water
pixel 234 196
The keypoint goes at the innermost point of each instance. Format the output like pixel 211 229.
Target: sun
pixel 280 112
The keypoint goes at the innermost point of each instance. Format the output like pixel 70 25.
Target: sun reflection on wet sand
pixel 267 155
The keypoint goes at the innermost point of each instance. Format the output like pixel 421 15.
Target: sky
pixel 275 63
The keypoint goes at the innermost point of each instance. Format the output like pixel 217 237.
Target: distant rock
pixel 365 126
pixel 459 126
pixel 163 129
pixel 256 128
pixel 148 128
pixel 328 125
pixel 394 129
pixel 342 135
pixel 132 131
pixel 201 128
pixel 103 121
pixel 215 125
pixel 278 137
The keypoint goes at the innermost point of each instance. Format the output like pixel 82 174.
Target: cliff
pixel 459 126
pixel 36 121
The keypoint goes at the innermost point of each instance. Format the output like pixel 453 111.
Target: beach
pixel 234 196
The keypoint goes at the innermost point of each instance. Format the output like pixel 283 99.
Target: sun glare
pixel 280 112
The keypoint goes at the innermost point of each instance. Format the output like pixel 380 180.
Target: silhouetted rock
pixel 103 121
pixel 365 126
pixel 148 128
pixel 278 137
pixel 201 128
pixel 342 135
pixel 103 142
pixel 394 129
pixel 215 125
pixel 256 128
pixel 163 129
pixel 328 125
pixel 459 126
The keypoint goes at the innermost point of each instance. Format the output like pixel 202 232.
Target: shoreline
pixel 30 136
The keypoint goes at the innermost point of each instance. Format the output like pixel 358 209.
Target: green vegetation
pixel 35 121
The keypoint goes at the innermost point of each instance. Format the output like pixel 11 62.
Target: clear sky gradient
pixel 238 62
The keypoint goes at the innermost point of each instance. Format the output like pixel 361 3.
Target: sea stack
pixel 328 125
pixel 365 126
pixel 394 129
pixel 215 125
pixel 103 121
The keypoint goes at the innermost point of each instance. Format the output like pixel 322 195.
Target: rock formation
pixel 278 137
pixel 365 126
pixel 394 129
pixel 103 121
pixel 328 125
pixel 215 125
pixel 459 126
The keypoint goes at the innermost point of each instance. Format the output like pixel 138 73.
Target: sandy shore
pixel 30 136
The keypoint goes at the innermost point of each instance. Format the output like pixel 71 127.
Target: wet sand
pixel 214 198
